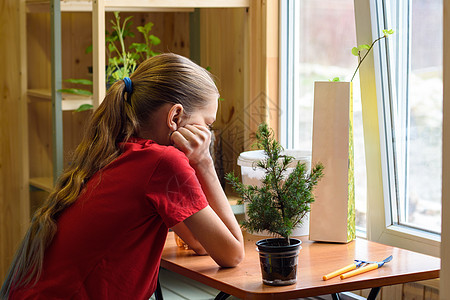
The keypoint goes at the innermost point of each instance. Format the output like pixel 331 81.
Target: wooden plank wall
pixel 264 60
pixel 241 48
pixel 38 77
pixel 13 138
pixel 223 44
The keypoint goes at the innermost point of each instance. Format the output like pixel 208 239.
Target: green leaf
pixel 154 40
pixel 141 29
pixel 221 99
pixel 115 60
pixel 111 47
pixel 355 51
pixel 88 49
pixel 128 19
pixel 76 92
pixel 335 79
pixel 127 33
pixel 153 53
pixel 84 107
pixel 208 68
pixel 363 46
pixel 140 47
pixel 79 81
pixel 111 39
pixel 388 32
pixel 134 57
pixel 148 27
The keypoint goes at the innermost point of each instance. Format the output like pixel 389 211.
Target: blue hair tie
pixel 128 86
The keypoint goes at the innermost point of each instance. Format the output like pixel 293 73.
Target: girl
pixel 142 167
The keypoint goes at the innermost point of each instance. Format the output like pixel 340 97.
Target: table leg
pixel 222 296
pixel 373 293
pixel 335 296
pixel 158 292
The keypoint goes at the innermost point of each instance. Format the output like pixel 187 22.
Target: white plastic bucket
pixel 253 175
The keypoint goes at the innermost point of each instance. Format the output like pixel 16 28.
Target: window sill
pixel 411 239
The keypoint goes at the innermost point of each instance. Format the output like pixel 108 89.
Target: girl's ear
pixel 174 116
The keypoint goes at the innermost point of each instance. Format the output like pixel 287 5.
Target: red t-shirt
pixel 109 242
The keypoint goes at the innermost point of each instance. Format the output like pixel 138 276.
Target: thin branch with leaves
pixel 357 50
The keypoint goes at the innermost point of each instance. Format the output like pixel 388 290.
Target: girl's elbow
pixel 237 260
pixel 232 260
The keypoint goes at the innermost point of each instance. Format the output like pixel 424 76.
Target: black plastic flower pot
pixel 278 260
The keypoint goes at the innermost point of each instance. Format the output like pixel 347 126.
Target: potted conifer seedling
pixel 277 206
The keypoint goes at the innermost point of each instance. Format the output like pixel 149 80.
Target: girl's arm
pixel 214 227
pixel 186 235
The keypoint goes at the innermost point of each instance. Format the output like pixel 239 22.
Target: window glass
pixel 324 36
pixel 416 108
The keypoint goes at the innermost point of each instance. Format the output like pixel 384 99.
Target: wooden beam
pixel 264 62
pixel 86 6
pixel 272 65
pixel 14 197
pixel 98 40
pixel 118 4
pixel 56 84
pixel 224 48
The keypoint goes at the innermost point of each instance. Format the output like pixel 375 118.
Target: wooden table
pixel 315 260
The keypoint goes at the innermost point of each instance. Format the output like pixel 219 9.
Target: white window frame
pixel 288 76
pixel 373 88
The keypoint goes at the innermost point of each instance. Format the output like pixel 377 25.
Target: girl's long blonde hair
pixel 166 78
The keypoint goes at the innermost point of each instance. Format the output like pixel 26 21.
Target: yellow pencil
pixel 339 272
pixel 361 270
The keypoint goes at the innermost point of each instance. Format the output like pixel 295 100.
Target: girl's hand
pixel 194 141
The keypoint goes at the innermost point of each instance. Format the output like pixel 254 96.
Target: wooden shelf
pixel 42 183
pixel 69 101
pixel 40 93
pixel 176 3
pixel 137 5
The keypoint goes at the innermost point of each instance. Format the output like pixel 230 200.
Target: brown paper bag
pixel 332 217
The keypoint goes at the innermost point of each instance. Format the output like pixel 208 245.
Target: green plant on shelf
pixel 122 61
pixel 145 49
pixel 76 91
pixel 80 92
pixel 282 201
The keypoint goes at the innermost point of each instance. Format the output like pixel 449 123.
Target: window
pixel 412 109
pixel 317 38
pixel 402 101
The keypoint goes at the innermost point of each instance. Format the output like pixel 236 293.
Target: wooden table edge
pixel 307 292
